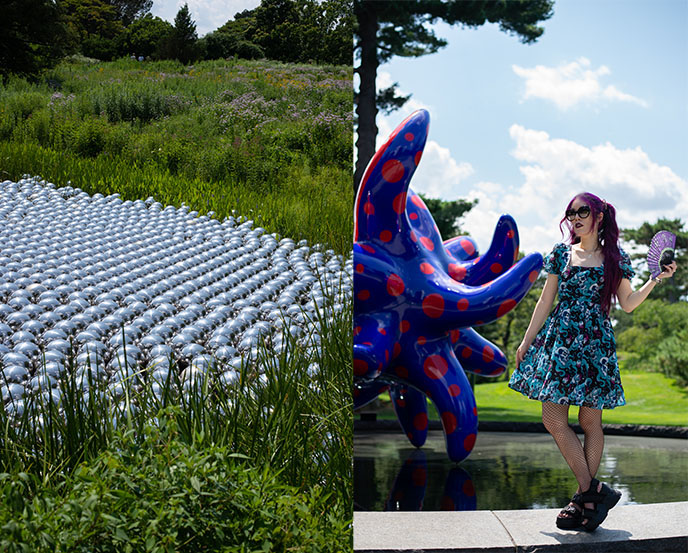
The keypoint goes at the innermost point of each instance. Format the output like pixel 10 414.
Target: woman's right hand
pixel 521 352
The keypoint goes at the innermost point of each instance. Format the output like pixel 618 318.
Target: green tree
pixel 447 214
pixel 146 36
pixel 181 43
pixel 32 37
pixel 129 11
pixel 298 30
pixel 386 29
pixel 675 288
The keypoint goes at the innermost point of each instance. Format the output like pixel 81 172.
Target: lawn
pixel 651 398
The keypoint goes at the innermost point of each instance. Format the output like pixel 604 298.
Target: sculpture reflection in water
pixel 408 490
pixel 417 298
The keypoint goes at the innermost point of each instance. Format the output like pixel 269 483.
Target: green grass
pixel 651 398
pixel 262 139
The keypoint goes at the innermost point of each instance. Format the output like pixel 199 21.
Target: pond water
pixel 508 471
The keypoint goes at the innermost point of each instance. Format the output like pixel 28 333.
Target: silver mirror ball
pixel 113 289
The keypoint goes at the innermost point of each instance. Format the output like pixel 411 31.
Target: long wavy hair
pixel 608 236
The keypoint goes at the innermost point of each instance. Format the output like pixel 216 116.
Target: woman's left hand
pixel 668 271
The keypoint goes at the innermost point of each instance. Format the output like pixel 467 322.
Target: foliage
pixel 145 37
pixel 299 31
pixel 386 29
pixel 654 338
pixel 268 140
pixel 32 37
pixel 447 214
pixel 676 287
pixel 181 42
pixel 157 492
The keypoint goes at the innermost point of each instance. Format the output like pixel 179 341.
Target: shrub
pixel 163 494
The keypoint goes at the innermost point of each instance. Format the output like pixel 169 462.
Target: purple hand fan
pixel 661 251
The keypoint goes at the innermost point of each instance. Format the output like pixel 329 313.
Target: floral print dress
pixel 572 360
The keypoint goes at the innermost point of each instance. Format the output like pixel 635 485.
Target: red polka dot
pixel 469 442
pixel 475 411
pixel 368 248
pixel 516 255
pixel 360 367
pixel 387 356
pixel 408 136
pixel 417 157
pixel 468 247
pixel 409 435
pixel 427 243
pixel 369 208
pixel 456 271
pixel 401 371
pixel 454 390
pixel 433 305
pixel 466 352
pixel 468 489
pixel 404 326
pixel 454 335
pixel 419 477
pixel 505 307
pixel 401 402
pixel 449 421
pixel 420 421
pixel 426 268
pixel 532 277
pixel 417 200
pixel 421 340
pixel 397 350
pixel 462 304
pixel 496 268
pixel 395 285
pixel 382 331
pixel 359 268
pixel 447 504
pixel 413 237
pixel 435 366
pixel 399 203
pixel 363 295
pixel 369 344
pixel 385 236
pixel 357 392
pixel 392 170
pixel 510 233
pixel 413 216
pixel 488 354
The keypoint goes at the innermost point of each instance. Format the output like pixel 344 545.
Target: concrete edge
pixel 499 426
pixel 655 527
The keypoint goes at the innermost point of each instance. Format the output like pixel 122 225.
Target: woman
pixel 572 360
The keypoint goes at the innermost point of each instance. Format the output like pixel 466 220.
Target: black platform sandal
pixel 604 500
pixel 570 518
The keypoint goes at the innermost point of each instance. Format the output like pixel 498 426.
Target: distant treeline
pixel 34 34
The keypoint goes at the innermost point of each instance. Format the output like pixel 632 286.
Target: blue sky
pixel 599 103
pixel 208 14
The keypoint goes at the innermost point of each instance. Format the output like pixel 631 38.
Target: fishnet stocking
pixel 591 423
pixel 555 418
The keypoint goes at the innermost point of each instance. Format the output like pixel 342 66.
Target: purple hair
pixel 608 236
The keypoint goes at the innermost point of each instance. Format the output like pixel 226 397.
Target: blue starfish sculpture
pixel 416 297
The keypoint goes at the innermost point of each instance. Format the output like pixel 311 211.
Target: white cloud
pixel 570 84
pixel 208 14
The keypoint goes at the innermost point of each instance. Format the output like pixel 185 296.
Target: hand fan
pixel 661 251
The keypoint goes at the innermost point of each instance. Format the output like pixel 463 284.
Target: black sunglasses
pixel 582 212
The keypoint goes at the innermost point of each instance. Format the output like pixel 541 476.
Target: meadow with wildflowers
pixel 263 139
pixel 263 464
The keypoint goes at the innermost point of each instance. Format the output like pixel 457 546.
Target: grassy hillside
pixel 265 140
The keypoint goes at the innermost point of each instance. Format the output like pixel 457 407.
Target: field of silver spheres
pixel 98 289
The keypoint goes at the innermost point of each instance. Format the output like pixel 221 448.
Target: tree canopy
pixel 386 29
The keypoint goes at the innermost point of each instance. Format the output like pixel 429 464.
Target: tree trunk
pixel 367 108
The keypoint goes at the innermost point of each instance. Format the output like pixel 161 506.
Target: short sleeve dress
pixel 572 360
